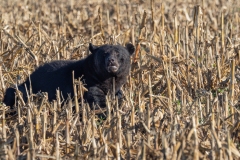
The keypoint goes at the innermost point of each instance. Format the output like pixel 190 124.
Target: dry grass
pixel 181 97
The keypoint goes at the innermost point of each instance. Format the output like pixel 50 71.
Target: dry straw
pixel 181 99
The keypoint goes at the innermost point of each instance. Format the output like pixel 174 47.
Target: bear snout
pixel 111 60
pixel 112 65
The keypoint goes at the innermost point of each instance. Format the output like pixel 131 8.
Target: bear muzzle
pixel 112 66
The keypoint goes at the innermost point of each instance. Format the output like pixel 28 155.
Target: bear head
pixel 115 60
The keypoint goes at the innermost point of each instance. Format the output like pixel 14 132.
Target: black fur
pixel 98 70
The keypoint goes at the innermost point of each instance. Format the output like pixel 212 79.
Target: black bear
pixel 97 71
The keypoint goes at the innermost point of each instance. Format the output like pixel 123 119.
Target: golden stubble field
pixel 182 97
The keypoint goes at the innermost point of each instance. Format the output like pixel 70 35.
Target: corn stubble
pixel 181 100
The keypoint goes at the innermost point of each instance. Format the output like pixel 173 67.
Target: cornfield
pixel 181 99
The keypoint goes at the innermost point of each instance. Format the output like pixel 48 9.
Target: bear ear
pixel 130 48
pixel 92 47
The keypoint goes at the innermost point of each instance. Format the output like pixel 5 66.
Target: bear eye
pixel 121 59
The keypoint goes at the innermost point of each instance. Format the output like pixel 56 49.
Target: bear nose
pixel 111 60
